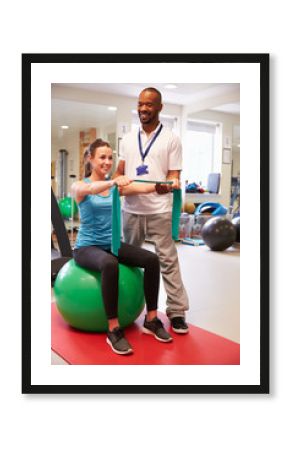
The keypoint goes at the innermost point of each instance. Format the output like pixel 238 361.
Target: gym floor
pixel 212 281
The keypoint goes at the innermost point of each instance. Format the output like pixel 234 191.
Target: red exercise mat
pixel 198 347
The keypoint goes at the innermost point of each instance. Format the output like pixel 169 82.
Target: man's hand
pixel 162 188
pixel 176 183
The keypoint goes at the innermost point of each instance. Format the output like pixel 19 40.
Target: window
pixel 202 151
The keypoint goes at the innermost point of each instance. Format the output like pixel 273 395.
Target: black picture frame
pixel 262 60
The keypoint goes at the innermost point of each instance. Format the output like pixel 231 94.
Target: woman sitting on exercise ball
pixel 92 250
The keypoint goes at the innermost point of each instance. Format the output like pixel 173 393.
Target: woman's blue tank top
pixel 96 221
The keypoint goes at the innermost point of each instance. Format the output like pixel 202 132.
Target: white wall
pixel 236 163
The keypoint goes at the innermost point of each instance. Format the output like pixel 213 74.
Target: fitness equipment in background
pixel 204 212
pixel 64 254
pixel 236 222
pixel 68 207
pixel 189 207
pixel 218 233
pixel 53 183
pixel 184 225
pixel 235 196
pixel 78 295
pixel 215 209
pixel 69 210
pixel 62 173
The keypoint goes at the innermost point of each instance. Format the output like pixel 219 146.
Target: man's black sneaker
pixel 179 325
pixel 156 328
pixel 118 342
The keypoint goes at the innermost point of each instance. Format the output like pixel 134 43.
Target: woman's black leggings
pixel 94 258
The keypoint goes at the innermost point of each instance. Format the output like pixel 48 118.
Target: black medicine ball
pixel 236 222
pixel 218 233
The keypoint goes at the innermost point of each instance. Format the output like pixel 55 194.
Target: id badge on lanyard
pixel 143 168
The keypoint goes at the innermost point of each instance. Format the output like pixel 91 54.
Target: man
pixel 154 153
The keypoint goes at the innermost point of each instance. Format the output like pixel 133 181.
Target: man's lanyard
pixel 143 155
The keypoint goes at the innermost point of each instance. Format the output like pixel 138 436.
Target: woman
pixel 92 249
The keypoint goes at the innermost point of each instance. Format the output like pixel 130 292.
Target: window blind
pixel 201 127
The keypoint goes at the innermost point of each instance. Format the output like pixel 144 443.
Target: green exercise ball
pixel 79 298
pixel 66 205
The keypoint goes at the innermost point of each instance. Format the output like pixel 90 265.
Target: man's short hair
pixel 152 89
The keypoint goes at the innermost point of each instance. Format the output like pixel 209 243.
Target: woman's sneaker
pixel 179 325
pixel 156 328
pixel 118 342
